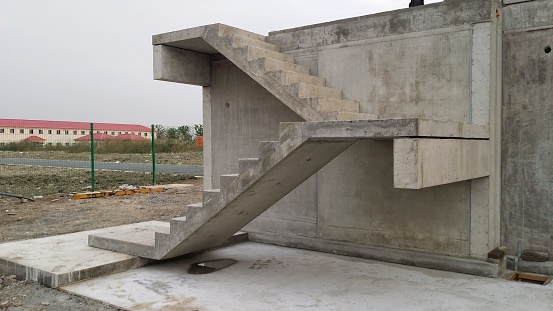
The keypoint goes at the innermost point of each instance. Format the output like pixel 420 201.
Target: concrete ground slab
pixel 270 277
pixel 58 260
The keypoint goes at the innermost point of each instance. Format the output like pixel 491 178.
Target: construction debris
pixel 127 191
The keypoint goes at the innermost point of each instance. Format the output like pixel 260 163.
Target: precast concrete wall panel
pixel 423 75
pixel 527 144
pixel 358 203
pixel 242 114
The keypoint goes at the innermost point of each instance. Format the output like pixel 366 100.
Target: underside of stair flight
pixel 426 153
pixel 303 149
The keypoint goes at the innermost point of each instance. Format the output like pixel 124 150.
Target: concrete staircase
pixel 306 94
pixel 261 182
pixel 303 148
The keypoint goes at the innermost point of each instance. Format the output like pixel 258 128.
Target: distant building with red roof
pixel 97 137
pixel 130 137
pixel 64 132
pixel 35 139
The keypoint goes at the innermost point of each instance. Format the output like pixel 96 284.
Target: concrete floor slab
pixel 269 277
pixel 63 259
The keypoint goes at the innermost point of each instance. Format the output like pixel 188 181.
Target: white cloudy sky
pixel 83 60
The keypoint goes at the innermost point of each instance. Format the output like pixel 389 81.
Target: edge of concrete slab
pixel 405 257
pixel 53 280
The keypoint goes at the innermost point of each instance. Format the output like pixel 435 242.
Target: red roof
pixel 97 136
pixel 130 137
pixel 35 139
pixel 69 125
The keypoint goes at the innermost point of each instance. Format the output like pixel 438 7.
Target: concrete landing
pixel 269 277
pixel 64 259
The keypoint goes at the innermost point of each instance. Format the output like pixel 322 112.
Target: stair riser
pixel 226 180
pixel 177 224
pixel 210 198
pixel 334 105
pixel 269 64
pixel 256 53
pixel 240 41
pixel 246 165
pixel 309 90
pixel 291 77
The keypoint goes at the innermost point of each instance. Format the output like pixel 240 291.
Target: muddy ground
pixel 59 214
pixel 182 158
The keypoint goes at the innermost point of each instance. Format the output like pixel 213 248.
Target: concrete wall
pixel 527 151
pixel 239 114
pixel 433 61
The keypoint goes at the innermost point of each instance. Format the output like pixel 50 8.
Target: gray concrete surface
pixel 59 260
pixel 302 150
pixel 277 278
pixel 527 145
pixel 449 72
pixel 193 170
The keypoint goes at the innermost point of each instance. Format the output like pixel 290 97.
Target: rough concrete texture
pixel 303 149
pixel 527 143
pixel 276 278
pixel 421 163
pixel 64 259
pixel 448 72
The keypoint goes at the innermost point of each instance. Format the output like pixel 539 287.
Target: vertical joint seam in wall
pixel 469 215
pixel 471 44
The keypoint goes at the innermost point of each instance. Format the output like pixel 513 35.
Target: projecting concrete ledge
pixel 423 162
pixel 405 257
pixel 387 128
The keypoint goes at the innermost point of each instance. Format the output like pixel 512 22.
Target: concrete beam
pixel 421 163
pixel 181 66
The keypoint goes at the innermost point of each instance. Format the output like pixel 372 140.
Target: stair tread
pixel 142 234
pixel 240 41
pixel 256 52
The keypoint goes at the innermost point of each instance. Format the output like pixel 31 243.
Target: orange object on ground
pixel 199 141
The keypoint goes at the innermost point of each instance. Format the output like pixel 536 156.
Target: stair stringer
pixel 279 170
pixel 220 37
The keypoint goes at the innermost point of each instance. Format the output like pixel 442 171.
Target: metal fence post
pixel 92 156
pixel 153 156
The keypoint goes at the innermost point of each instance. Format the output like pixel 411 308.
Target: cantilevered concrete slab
pixel 277 278
pixel 63 259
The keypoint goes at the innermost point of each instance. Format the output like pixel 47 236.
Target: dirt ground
pixel 59 214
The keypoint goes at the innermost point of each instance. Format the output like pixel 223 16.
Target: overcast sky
pixel 80 60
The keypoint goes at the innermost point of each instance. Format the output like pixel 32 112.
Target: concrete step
pixel 246 164
pixel 271 64
pixel 139 241
pixel 344 116
pixel 333 105
pixel 290 77
pixel 195 205
pixel 247 167
pixel 227 31
pixel 177 224
pixel 249 202
pixel 267 152
pixel 240 41
pixel 257 52
pixel 226 180
pixel 304 90
pixel 211 197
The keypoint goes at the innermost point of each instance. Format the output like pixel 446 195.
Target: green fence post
pixel 153 157
pixel 92 156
